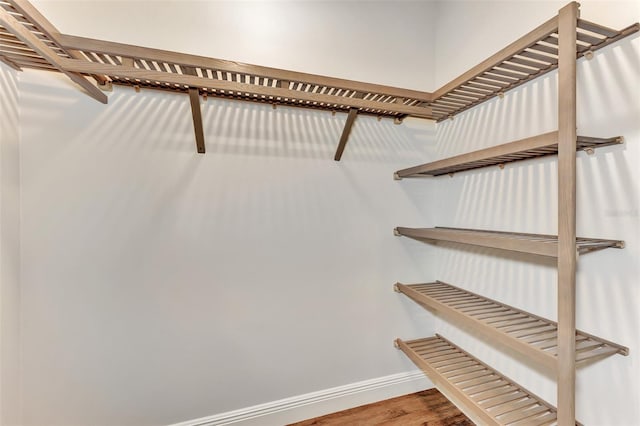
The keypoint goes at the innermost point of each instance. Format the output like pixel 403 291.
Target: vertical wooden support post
pixel 194 97
pixel 353 112
pixel 567 252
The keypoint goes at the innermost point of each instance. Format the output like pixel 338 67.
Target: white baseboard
pixel 297 408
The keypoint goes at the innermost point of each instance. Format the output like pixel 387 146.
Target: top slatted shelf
pixel 530 57
pixel 160 69
pixel 137 66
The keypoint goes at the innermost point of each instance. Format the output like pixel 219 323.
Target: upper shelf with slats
pixel 529 57
pixel 532 55
pixel 158 69
pixel 529 334
pixel 544 245
pixel 137 66
pixel 536 146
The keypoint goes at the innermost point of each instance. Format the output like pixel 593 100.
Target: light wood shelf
pixel 29 40
pixel 543 245
pixel 529 57
pixel 529 334
pixel 487 396
pixel 524 149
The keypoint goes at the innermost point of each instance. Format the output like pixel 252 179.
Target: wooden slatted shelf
pixel 544 245
pixel 523 149
pixel 531 335
pixel 529 57
pixel 485 395
pixel 135 66
pixel 164 70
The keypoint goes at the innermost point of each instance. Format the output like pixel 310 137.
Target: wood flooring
pixel 426 408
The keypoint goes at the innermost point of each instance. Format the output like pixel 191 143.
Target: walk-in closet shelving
pixel 556 44
pixel 29 41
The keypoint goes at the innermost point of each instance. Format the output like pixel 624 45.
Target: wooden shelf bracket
pixel 351 118
pixel 194 98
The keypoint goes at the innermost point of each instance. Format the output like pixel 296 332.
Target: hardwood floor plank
pixel 427 407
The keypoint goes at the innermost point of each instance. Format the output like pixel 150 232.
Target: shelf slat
pixel 485 395
pixel 531 335
pixel 543 245
pixel 523 149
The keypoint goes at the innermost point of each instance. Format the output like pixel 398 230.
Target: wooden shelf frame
pixel 531 56
pixel 523 149
pixel 485 395
pixel 556 44
pixel 539 244
pixel 531 335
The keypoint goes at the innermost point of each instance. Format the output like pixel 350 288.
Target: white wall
pixel 523 197
pixel 9 249
pixel 159 285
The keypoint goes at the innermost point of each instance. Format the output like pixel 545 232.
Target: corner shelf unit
pixel 29 41
pixel 529 334
pixel 482 393
pixel 524 149
pixel 543 245
pixel 496 399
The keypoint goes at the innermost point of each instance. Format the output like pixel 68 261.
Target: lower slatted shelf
pixel 485 395
pixel 529 334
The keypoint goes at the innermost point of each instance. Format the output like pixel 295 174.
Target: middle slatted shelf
pixel 523 149
pixel 529 334
pixel 539 244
